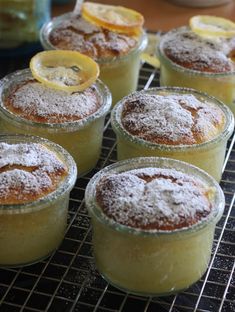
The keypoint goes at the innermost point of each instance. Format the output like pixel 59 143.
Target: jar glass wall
pixel 31 231
pixel 120 73
pixel 219 85
pixel 208 156
pixel 148 262
pixel 82 138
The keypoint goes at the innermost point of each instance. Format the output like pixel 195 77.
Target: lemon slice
pixel 64 70
pixel 115 18
pixel 150 59
pixel 213 26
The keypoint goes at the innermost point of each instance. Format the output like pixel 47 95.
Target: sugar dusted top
pixel 192 51
pixel 28 171
pixel 75 33
pixel 171 118
pixel 34 101
pixel 153 199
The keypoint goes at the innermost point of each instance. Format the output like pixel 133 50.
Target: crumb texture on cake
pixel 34 101
pixel 77 34
pixel 28 171
pixel 192 51
pixel 153 199
pixel 172 119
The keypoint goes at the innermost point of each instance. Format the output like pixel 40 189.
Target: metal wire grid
pixel 68 280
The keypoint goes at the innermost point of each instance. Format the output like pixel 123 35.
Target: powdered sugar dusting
pixel 199 53
pixel 171 118
pixel 75 33
pixel 27 170
pixel 32 100
pixel 153 198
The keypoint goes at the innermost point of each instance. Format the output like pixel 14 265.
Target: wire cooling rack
pixel 68 280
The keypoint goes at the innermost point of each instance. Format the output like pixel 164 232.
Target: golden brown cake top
pixel 28 171
pixel 153 199
pixel 75 33
pixel 34 101
pixel 171 119
pixel 192 51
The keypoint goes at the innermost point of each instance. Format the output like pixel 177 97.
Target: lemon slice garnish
pixel 64 70
pixel 115 18
pixel 212 26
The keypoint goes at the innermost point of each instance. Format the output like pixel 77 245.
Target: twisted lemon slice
pixel 115 18
pixel 213 26
pixel 64 70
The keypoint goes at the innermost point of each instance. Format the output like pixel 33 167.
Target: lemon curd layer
pixel 205 64
pixel 174 123
pixel 73 120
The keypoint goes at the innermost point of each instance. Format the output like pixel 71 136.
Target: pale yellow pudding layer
pixel 29 237
pixel 151 265
pixel 121 76
pixel 221 87
pixel 209 159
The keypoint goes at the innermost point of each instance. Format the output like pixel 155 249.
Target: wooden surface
pixel 160 14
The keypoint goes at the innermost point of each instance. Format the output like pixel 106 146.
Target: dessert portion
pixel 173 119
pixel 189 50
pixel 75 33
pixel 173 122
pixel 153 224
pixel 34 101
pixel 153 199
pixel 36 177
pixel 105 33
pixel 73 120
pixel 200 57
pixel 28 172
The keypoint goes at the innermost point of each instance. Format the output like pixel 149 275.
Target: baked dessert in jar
pixel 153 224
pixel 200 62
pixel 173 122
pixel 36 177
pixel 117 53
pixel 73 120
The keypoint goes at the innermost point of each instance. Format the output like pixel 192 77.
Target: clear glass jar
pixel 120 74
pixel 31 231
pixel 20 22
pixel 208 156
pixel 220 85
pixel 148 262
pixel 82 138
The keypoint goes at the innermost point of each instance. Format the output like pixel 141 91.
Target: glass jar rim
pixel 193 72
pixel 25 74
pixel 48 26
pixel 225 134
pixel 157 162
pixel 65 186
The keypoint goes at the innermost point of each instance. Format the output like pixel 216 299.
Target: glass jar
pixel 152 262
pixel 208 155
pixel 20 22
pixel 31 231
pixel 120 74
pixel 81 138
pixel 220 85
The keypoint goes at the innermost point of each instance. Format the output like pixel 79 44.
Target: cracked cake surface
pixel 172 119
pixel 153 199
